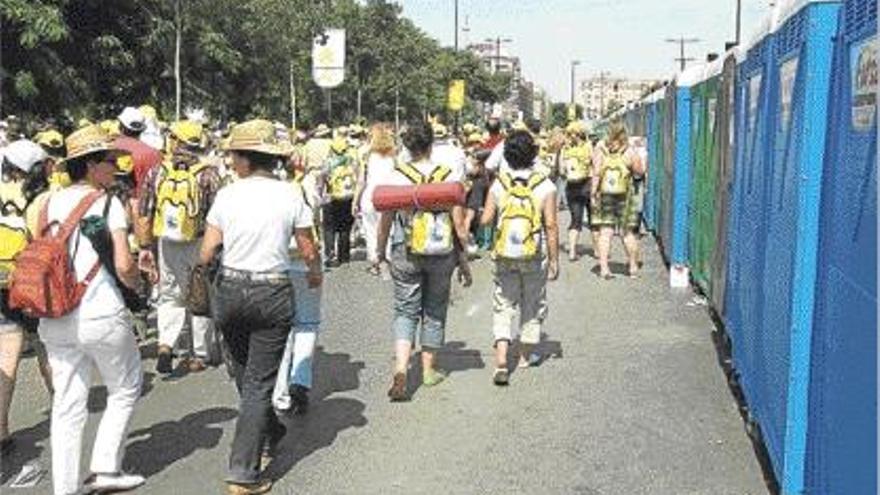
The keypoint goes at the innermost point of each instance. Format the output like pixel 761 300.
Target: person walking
pixel 98 333
pixel 340 183
pixel 23 178
pixel 426 248
pixel 526 250
pixel 576 158
pixel 378 167
pixel 174 199
pixel 614 199
pixel 254 219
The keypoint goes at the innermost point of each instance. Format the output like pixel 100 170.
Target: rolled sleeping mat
pixel 440 196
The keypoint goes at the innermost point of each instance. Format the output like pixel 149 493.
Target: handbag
pixel 198 299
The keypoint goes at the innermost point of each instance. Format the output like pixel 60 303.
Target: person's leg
pixel 346 223
pixel 533 309
pixel 631 244
pixel 407 314
pixel 605 234
pixel 111 345
pixel 574 193
pixel 436 285
pixel 71 377
pixel 170 310
pixel 307 323
pixel 370 224
pixel 504 307
pixel 11 343
pixel 42 360
pixel 268 334
pixel 329 229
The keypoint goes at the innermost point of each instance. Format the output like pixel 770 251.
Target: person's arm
pixel 126 269
pixel 461 242
pixel 597 166
pixel 637 165
pixel 383 232
pixel 308 248
pixel 489 207
pixel 551 230
pixel 211 241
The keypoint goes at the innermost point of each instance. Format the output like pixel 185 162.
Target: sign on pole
pixel 455 100
pixel 328 58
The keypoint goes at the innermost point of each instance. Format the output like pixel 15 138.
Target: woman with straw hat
pixel 98 333
pixel 254 219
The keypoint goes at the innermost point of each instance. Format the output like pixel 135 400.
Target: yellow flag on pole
pixel 456 94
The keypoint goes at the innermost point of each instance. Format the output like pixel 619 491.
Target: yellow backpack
pixel 14 236
pixel 576 163
pixel 178 202
pixel 615 176
pixel 428 233
pixel 342 179
pixel 519 218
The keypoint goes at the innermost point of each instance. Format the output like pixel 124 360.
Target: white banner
pixel 328 58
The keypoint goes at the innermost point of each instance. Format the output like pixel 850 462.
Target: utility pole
pixel 396 109
pixel 177 22
pixel 498 40
pixel 682 41
pixel 574 63
pixel 602 76
pixel 738 21
pixel 456 25
pixel 292 97
pixel 466 30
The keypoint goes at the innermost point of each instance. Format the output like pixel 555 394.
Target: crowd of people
pixel 147 212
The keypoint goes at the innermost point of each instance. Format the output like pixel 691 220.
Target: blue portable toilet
pixel 842 429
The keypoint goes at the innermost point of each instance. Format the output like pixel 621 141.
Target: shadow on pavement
pixel 452 358
pixel 327 416
pixel 165 443
pixel 25 450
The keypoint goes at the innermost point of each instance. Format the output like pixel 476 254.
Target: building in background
pixel 604 93
pixel 521 103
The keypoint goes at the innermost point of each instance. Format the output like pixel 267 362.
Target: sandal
pixel 432 378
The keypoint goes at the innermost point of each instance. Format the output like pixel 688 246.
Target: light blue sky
pixel 624 37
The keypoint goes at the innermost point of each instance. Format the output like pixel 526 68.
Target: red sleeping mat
pixel 425 197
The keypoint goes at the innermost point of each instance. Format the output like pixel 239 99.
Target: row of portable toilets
pixel 762 187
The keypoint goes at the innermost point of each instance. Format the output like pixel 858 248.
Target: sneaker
pixel 397 392
pixel 163 362
pixel 501 377
pixel 117 482
pixel 431 378
pixel 255 488
pixel 299 399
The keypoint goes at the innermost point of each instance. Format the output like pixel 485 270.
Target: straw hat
pixel 255 135
pixel 88 140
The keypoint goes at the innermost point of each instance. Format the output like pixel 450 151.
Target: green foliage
pixel 90 58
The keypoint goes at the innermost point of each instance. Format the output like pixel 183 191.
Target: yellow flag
pixel 456 94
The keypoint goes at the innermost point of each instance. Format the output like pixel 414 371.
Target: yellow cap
pixel 188 132
pixel 111 127
pixel 339 144
pixel 83 123
pixel 475 138
pixel 440 130
pixel 149 112
pixel 51 139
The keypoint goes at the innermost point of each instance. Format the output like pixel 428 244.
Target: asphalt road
pixel 630 400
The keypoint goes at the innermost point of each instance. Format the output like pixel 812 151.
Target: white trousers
pixel 370 225
pixel 108 345
pixel 176 260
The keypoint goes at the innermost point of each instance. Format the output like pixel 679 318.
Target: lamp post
pixel 574 64
pixel 498 40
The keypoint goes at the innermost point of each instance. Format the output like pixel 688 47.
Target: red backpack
pixel 43 283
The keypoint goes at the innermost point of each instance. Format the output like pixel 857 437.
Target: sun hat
pixel 88 140
pixel 322 131
pixel 23 154
pixel 255 135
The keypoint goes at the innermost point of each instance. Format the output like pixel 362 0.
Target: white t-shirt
pixel 102 297
pixel 542 191
pixel 257 216
pixel 379 171
pixel 447 153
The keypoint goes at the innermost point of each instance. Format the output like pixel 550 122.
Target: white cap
pixel 24 154
pixel 133 119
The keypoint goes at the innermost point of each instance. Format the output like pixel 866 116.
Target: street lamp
pixel 574 63
pixel 498 40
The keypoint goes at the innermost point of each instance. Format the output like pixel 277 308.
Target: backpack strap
pixel 439 174
pixel 76 215
pixel 410 173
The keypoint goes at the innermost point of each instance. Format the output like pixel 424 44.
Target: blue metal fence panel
pixel 667 173
pixel 651 192
pixel 681 182
pixel 842 439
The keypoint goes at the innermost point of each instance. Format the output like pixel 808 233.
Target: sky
pixel 623 37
